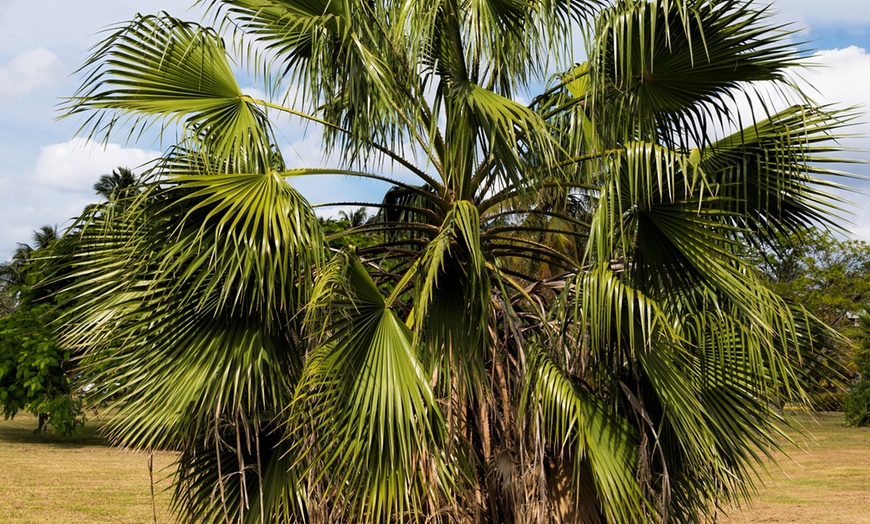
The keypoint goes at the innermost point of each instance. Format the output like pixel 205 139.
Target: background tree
pixel 12 278
pixel 13 274
pixel 343 233
pixel 856 406
pixel 830 279
pixel 354 218
pixel 554 321
pixel 827 275
pixel 119 185
pixel 35 369
pixel 19 276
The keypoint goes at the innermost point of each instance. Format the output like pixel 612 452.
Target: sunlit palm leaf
pixel 245 240
pixel 774 171
pixel 677 77
pixel 160 68
pixel 365 397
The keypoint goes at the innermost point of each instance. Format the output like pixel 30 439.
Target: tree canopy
pixel 856 405
pixel 553 321
pixel 35 368
pixel 829 277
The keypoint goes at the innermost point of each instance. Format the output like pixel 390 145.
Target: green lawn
pixel 49 479
pixel 824 481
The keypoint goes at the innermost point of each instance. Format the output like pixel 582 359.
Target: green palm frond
pixel 255 238
pixel 508 129
pixel 662 76
pixel 226 318
pixel 577 424
pixel 367 401
pixel 346 62
pixel 160 68
pixel 618 315
pixel 499 44
pixel 210 356
pixel 775 171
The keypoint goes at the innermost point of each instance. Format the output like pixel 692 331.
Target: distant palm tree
pixel 13 273
pixel 355 218
pixel 45 236
pixel 118 185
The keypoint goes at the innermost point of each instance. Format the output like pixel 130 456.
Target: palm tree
pixel 12 273
pixel 120 184
pixel 45 237
pixel 554 324
pixel 25 269
pixel 354 218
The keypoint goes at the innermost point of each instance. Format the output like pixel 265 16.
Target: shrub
pixel 856 407
pixel 34 372
pixel 827 401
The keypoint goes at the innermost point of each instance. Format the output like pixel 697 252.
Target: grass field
pixel 826 481
pixel 49 479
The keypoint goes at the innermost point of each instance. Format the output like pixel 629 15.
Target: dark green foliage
pixel 856 407
pixel 829 279
pixel 348 231
pixel 828 401
pixel 35 370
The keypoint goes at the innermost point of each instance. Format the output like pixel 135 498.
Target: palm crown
pixel 553 323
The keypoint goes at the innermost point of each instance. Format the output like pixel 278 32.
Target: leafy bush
pixel 856 407
pixel 827 401
pixel 34 373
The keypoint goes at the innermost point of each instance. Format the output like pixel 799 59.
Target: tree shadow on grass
pixel 21 430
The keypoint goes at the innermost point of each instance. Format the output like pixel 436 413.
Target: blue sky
pixel 46 173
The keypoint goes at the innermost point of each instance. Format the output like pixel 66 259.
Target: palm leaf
pixel 660 76
pixel 576 422
pixel 365 396
pixel 160 68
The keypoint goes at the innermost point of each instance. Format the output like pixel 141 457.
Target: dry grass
pixel 45 478
pixel 826 481
pixel 49 479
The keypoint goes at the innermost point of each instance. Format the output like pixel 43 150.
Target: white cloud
pixel 30 71
pixel 59 187
pixel 77 164
pixel 30 207
pixel 835 77
pixel 841 76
